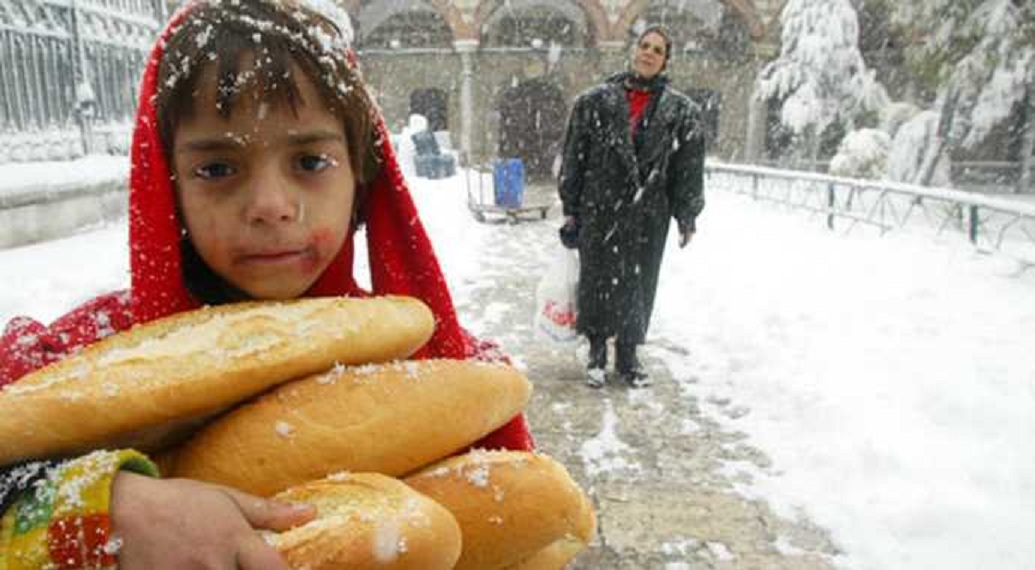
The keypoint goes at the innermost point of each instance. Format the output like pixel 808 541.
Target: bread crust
pixel 390 418
pixel 511 506
pixel 136 388
pixel 368 521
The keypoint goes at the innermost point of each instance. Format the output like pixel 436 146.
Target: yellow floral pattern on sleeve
pixel 63 523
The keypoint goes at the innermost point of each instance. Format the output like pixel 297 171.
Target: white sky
pixel 889 379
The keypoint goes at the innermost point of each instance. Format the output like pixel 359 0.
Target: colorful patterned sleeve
pixel 62 521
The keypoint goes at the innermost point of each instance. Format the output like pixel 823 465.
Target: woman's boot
pixel 628 366
pixel 597 361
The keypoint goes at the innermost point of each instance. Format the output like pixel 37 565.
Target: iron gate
pixel 69 74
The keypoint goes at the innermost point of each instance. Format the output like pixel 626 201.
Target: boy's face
pixel 266 195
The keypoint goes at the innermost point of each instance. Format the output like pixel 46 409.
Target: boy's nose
pixel 273 201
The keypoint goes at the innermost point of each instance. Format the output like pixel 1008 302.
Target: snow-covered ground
pixel 58 176
pixel 891 380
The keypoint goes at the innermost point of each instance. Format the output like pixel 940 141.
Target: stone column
pixel 466 49
pixel 1027 145
pixel 754 140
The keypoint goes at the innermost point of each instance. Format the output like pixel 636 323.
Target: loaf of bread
pixel 512 507
pixel 389 418
pixel 368 521
pixel 139 388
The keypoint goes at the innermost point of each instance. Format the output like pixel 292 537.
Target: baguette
pixel 511 506
pixel 389 418
pixel 139 388
pixel 368 521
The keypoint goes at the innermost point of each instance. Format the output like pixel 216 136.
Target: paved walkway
pixel 656 467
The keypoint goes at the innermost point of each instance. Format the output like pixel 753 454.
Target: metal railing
pixel 844 204
pixel 69 71
pixel 990 176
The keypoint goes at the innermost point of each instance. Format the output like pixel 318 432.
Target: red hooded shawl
pixel 402 262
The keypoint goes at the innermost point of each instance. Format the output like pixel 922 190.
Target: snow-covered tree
pixel 820 78
pixel 979 55
pixel 863 154
pixel 911 148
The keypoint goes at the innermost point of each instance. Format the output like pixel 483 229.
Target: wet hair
pixel 663 32
pixel 280 37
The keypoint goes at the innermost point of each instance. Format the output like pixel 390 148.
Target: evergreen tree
pixel 820 79
pixel 978 56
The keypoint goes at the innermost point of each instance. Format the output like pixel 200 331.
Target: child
pixel 257 153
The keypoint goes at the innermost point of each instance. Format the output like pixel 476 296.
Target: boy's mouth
pixel 275 257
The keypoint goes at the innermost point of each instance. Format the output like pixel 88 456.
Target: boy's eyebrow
pixel 238 143
pixel 203 145
pixel 296 138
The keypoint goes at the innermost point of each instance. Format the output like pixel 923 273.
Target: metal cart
pixel 481 199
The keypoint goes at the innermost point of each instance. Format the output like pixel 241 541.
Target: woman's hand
pixel 569 232
pixel 684 238
pixel 179 523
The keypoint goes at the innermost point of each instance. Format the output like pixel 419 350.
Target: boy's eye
pixel 315 162
pixel 214 170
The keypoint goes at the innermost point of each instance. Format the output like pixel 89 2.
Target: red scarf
pixel 401 258
pixel 402 261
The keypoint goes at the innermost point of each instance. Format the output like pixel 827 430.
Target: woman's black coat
pixel 623 194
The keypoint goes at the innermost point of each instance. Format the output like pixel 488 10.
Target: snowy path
pixel 881 389
pixel 887 381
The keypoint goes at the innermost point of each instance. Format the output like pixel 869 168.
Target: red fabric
pixel 79 542
pixel 27 345
pixel 637 103
pixel 401 260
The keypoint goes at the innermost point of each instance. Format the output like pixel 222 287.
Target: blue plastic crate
pixel 435 167
pixel 508 182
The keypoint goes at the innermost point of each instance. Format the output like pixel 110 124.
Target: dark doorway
pixel 434 105
pixel 532 122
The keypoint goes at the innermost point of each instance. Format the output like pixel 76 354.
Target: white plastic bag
pixel 555 299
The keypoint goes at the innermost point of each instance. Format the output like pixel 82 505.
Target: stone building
pixel 500 75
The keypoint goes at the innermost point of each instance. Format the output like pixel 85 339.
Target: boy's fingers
pixel 254 554
pixel 270 515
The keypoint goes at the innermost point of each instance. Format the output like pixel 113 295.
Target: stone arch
pixel 744 9
pixel 591 15
pixel 370 16
pixel 461 29
pixel 596 18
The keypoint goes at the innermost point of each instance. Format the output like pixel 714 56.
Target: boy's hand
pixel 179 523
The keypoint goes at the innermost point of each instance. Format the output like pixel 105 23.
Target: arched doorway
pixel 532 122
pixel 433 104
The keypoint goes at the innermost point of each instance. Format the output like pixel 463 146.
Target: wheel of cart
pixel 495 193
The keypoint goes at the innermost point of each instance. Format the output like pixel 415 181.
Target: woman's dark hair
pixel 280 36
pixel 663 32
